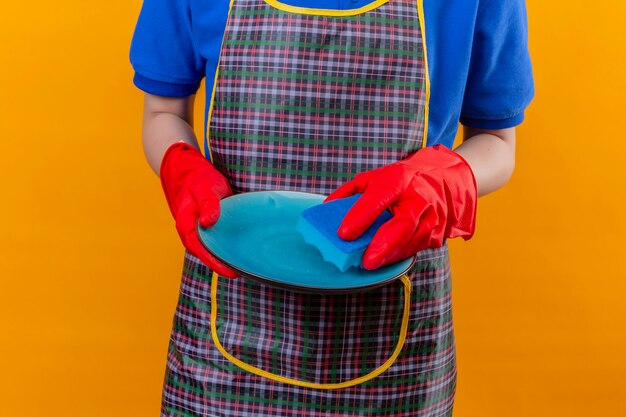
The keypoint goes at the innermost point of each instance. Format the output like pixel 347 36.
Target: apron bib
pixel 303 100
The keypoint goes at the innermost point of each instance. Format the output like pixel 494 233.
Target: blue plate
pixel 256 236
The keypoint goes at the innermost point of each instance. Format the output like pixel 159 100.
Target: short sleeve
pixel 162 50
pixel 500 81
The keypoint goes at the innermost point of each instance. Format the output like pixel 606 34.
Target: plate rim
pixel 294 287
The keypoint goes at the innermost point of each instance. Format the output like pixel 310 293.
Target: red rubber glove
pixel 432 196
pixel 193 189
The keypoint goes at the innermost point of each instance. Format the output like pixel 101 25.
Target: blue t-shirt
pixel 477 50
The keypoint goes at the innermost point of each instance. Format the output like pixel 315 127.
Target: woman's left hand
pixel 432 196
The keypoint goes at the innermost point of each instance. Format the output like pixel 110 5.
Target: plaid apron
pixel 303 100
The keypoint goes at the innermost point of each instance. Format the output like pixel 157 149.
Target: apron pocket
pixel 317 339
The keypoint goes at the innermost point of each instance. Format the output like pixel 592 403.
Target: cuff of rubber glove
pixel 169 150
pixel 174 147
pixel 184 146
pixel 474 196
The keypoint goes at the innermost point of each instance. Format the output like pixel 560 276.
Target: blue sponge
pixel 319 224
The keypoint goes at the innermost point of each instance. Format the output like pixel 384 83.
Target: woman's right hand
pixel 193 189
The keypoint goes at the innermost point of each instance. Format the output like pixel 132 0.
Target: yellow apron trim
pixel 325 12
pixel 217 71
pixel 420 12
pixel 257 371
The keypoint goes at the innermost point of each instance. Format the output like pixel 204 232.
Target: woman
pixel 331 97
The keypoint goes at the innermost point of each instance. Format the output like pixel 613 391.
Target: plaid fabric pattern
pixel 323 338
pixel 305 102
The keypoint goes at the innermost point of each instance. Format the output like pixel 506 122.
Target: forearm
pixel 166 121
pixel 491 154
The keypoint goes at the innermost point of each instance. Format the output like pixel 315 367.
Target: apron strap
pixel 257 371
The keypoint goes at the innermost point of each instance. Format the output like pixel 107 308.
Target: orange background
pixel 90 260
